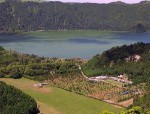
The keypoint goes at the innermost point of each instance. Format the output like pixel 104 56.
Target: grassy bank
pixel 68 33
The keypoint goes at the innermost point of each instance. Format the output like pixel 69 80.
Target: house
pixel 137 58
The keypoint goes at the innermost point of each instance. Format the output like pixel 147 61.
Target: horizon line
pixel 97 2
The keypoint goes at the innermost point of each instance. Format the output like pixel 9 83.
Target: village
pixel 120 78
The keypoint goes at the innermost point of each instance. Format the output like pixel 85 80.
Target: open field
pixel 58 101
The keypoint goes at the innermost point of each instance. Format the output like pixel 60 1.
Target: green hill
pixel 62 16
pixel 116 61
pixel 121 60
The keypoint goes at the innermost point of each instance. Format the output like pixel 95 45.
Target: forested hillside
pixel 14 101
pixel 16 16
pixel 121 60
pixel 116 61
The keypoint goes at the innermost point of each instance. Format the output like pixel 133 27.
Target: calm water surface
pixel 69 44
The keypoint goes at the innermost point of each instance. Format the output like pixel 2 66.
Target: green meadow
pixel 52 100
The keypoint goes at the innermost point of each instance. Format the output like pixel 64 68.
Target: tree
pixel 139 28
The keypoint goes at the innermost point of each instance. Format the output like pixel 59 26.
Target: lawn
pixel 53 100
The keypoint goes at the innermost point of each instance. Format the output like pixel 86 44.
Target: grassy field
pixel 53 100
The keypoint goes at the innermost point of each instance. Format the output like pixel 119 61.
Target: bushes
pixel 133 110
pixel 143 102
pixel 15 65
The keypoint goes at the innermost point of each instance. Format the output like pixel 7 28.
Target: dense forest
pixel 116 61
pixel 14 101
pixel 17 16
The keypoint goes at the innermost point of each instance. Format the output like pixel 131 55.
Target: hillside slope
pixel 18 16
pixel 122 60
pixel 133 61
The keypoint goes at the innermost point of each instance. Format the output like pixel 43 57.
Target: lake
pixel 70 44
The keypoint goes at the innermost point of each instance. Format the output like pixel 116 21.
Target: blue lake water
pixel 69 45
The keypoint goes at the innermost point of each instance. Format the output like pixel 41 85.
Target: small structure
pixel 125 92
pixel 137 58
pixel 122 78
pixel 40 84
pixel 134 58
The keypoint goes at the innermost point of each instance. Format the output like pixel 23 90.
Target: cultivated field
pixel 119 84
pixel 53 100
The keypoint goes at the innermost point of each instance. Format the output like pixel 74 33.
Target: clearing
pixel 52 100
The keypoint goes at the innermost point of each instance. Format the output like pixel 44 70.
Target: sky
pixel 98 1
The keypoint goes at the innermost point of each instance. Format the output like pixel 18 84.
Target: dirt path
pixel 82 72
pixel 126 103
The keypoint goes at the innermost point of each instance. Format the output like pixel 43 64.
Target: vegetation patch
pixel 14 101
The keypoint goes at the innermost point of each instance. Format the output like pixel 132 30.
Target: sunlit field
pixel 52 100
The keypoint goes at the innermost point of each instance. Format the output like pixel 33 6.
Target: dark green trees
pixel 139 28
pixel 62 16
pixel 13 101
